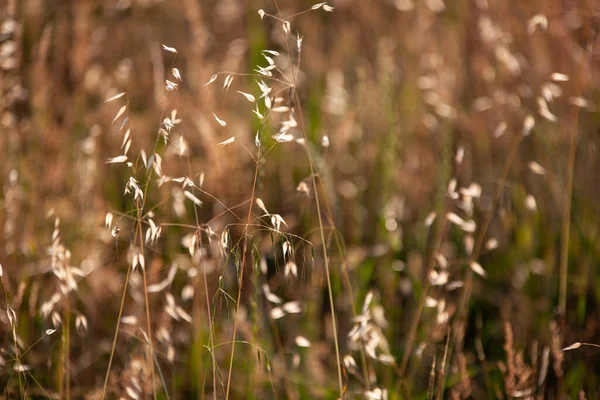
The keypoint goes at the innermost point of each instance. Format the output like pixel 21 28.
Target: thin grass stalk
pixel 566 231
pixel 196 305
pixel 481 357
pixel 431 384
pixel 140 236
pixel 571 130
pixel 462 311
pixel 127 276
pixel 61 368
pixel 14 332
pixel 210 325
pixel 363 357
pixel 21 388
pixel 240 276
pixel 162 378
pixel 148 321
pixel 325 255
pixel 344 269
pixel 255 313
pixel 67 345
pixel 319 216
pixel 114 344
pixel 417 317
pixel 441 381
pixel 441 207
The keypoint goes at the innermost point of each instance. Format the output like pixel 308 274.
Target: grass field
pixel 277 199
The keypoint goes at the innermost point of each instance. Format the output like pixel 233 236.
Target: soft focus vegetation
pixel 384 199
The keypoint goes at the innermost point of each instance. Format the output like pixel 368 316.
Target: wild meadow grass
pixel 282 199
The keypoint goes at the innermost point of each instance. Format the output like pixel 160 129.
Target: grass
pixel 381 200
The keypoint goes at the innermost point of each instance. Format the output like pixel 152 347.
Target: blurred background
pixel 409 110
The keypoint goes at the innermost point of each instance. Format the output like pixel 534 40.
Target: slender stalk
pixel 462 311
pixel 137 236
pixel 344 269
pixel 571 130
pixel 21 387
pixel 122 306
pixel 241 277
pixel 196 305
pixel 431 384
pixel 14 332
pixel 210 325
pixel 148 321
pixel 363 357
pixel 114 344
pixel 442 372
pixel 319 215
pixel 566 223
pixel 324 246
pixel 481 357
pixel 61 368
pixel 67 347
pixel 441 207
pixel 417 317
